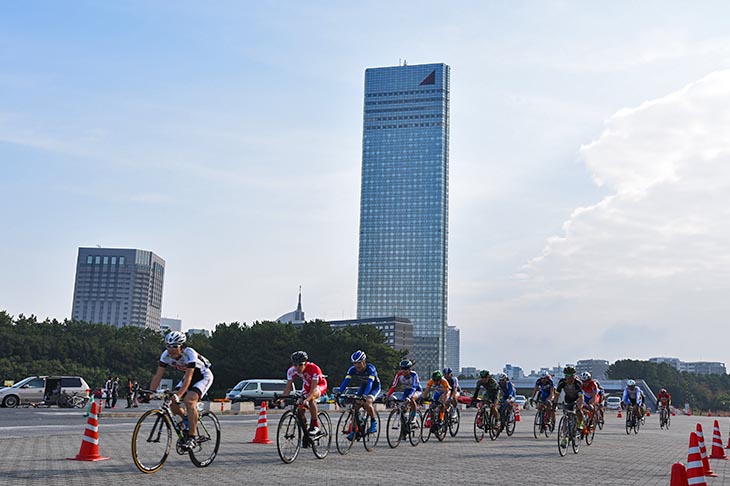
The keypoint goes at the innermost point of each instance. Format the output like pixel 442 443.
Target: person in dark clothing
pixel 130 392
pixel 108 392
pixel 115 391
pixel 135 392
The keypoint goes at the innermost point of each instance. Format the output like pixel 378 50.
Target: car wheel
pixel 11 401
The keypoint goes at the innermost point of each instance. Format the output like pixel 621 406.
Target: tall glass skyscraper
pixel 404 205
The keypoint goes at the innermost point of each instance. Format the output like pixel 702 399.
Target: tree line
pixel 237 351
pixel 702 392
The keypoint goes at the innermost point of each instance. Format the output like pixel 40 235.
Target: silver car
pixel 36 389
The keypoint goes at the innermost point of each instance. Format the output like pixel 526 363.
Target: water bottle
pixel 185 424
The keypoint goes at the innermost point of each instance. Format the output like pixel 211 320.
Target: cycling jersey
pixel 491 389
pixel 664 398
pixel 368 377
pixel 544 385
pixel 589 389
pixel 309 373
pixel 573 391
pixel 439 387
pixel 632 397
pixel 453 382
pixel 507 389
pixel 189 358
pixel 410 384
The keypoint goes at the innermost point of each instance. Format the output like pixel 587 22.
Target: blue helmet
pixel 358 356
pixel 448 371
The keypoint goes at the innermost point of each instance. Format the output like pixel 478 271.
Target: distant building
pixel 168 324
pixel 296 316
pixel 469 371
pixel 452 348
pixel 673 362
pixel 596 367
pixel 513 372
pixel 118 286
pixel 398 331
pixel 697 367
pixel 204 332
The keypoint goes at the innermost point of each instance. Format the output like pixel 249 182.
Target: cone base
pixel 90 459
pixel 722 458
pixel 264 441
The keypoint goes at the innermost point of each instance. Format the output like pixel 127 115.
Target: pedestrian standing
pixel 130 392
pixel 108 392
pixel 135 392
pixel 115 391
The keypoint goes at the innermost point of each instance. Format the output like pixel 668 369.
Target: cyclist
pixel 314 385
pixel 632 396
pixel 369 386
pixel 590 392
pixel 441 390
pixel 573 389
pixel 506 392
pixel 544 393
pixel 491 390
pixel 664 399
pixel 195 382
pixel 411 386
pixel 452 400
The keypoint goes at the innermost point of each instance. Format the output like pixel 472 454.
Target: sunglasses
pixel 299 364
pixel 173 346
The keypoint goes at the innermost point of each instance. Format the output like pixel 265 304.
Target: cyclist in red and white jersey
pixel 314 384
pixel 195 382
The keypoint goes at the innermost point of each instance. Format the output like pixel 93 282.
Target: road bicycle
pixel 72 401
pixel 507 418
pixel 588 431
pixel 485 421
pixel 568 431
pixel 665 418
pixel 292 434
pixel 600 417
pixel 402 425
pixel 152 437
pixel 544 420
pixel 632 421
pixel 354 425
pixel 433 424
pixel 453 419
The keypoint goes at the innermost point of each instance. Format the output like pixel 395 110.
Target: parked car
pixel 465 397
pixel 256 390
pixel 37 389
pixel 520 400
pixel 613 403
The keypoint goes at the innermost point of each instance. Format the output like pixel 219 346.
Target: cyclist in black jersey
pixel 573 389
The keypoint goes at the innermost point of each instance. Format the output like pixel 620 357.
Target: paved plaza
pixel 35 446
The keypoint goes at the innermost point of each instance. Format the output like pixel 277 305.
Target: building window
pixel 121 260
pixel 98 260
pixel 106 260
pixel 89 260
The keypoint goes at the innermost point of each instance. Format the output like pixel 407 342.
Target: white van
pixel 257 390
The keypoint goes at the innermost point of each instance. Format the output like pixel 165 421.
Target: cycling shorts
pixel 544 395
pixel 201 386
pixel 374 391
pixel 408 393
pixel 437 395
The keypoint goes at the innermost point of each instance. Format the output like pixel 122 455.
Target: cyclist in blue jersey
pixel 369 384
pixel 544 393
pixel 633 396
pixel 453 399
pixel 506 388
pixel 411 386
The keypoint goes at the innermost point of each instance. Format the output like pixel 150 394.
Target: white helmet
pixel 501 377
pixel 585 376
pixel 544 373
pixel 630 382
pixel 175 338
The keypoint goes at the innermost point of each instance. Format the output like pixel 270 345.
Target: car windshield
pixel 240 386
pixel 23 382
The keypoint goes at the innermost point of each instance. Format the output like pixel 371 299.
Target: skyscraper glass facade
pixel 402 267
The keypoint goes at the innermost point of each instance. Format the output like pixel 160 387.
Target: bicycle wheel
pixel 480 423
pixel 669 420
pixel 511 423
pixel 345 427
pixel 370 439
pixel 537 428
pixel 549 421
pixel 591 432
pixel 414 429
pixel 288 437
pixel 440 429
pixel 637 424
pixel 395 429
pixel 428 425
pixel 454 422
pixel 563 436
pixel 494 426
pixel 576 435
pixel 151 441
pixel 321 445
pixel 629 423
pixel 601 419
pixel 207 440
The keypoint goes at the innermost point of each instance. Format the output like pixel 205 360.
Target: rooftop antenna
pixel 405 63
pixel 98 245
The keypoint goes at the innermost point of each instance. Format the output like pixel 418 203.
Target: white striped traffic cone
pixel 703 450
pixel 90 444
pixel 695 469
pixel 717 451
pixel 262 429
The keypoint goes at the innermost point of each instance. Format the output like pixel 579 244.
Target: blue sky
pixel 226 138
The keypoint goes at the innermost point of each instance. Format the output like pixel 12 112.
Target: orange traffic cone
pixel 90 444
pixel 709 413
pixel 717 450
pixel 262 429
pixel 728 442
pixel 679 475
pixel 517 412
pixel 703 451
pixel 695 470
pixel 619 413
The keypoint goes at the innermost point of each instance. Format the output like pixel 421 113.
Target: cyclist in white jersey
pixel 197 373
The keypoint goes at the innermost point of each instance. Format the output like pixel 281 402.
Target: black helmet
pixel 406 364
pixel 298 357
pixel 569 371
pixel 484 373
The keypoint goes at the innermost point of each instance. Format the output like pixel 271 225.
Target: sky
pixel 589 162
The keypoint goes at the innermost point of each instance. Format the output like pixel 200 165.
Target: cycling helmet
pixel 663 390
pixel 630 382
pixel 175 338
pixel 299 357
pixel 447 371
pixel 585 376
pixel 437 375
pixel 358 356
pixel 406 364
pixel 569 371
pixel 502 377
pixel 544 373
pixel 484 373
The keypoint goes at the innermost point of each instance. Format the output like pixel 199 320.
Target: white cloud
pixel 653 257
